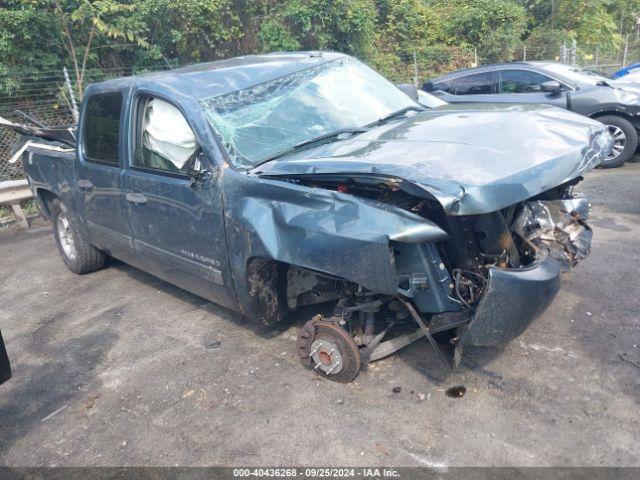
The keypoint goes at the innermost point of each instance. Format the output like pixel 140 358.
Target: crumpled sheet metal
pixel 513 298
pixel 330 232
pixel 472 162
pixel 558 226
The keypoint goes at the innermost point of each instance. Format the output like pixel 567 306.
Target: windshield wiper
pixel 396 114
pixel 332 136
pixel 325 138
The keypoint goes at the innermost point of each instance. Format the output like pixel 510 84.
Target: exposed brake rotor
pixel 327 348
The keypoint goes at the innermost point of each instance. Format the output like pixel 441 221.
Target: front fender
pixel 336 234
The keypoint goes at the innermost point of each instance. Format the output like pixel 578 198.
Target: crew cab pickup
pixel 271 182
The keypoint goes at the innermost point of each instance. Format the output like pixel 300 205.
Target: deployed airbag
pixel 167 132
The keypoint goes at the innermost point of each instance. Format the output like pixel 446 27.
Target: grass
pixel 29 207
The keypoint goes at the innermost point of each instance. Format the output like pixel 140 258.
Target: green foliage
pixel 593 23
pixel 589 22
pixel 345 25
pixel 544 43
pixel 28 40
pixel 95 36
pixel 275 36
pixel 493 27
pixel 411 25
pixel 186 30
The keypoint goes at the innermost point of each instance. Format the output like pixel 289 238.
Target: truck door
pixel 174 202
pixel 100 198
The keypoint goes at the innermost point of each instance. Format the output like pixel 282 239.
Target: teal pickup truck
pixel 271 182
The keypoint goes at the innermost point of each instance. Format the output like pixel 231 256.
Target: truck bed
pixel 49 166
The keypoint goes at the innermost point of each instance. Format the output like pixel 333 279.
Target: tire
pixel 78 255
pixel 622 131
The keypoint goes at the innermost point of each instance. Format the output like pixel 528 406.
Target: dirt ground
pixel 119 368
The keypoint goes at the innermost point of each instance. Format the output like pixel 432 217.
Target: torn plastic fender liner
pixel 513 298
pixel 330 232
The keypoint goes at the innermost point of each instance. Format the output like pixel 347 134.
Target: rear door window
pixel 101 129
pixel 478 84
pixel 521 81
pixel 444 86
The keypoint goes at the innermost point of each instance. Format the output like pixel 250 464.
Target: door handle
pixel 85 185
pixel 136 198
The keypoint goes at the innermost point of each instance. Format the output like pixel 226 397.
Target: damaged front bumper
pixel 513 298
pixel 557 233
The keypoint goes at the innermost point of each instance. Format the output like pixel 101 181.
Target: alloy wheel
pixel 66 237
pixel 619 141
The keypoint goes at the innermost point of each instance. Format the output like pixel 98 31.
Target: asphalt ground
pixel 119 368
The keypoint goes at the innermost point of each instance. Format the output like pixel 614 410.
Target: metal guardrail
pixel 13 192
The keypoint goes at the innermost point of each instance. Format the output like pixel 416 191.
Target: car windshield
pixel 576 74
pixel 259 122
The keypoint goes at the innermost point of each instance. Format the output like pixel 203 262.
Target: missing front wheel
pixel 328 349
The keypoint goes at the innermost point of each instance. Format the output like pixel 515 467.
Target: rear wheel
pixel 78 255
pixel 625 140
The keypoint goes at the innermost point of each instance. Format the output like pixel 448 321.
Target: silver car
pixel 552 83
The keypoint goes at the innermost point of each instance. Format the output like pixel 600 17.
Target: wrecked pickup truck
pixel 274 182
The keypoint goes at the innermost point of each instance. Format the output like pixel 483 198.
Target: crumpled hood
pixel 476 159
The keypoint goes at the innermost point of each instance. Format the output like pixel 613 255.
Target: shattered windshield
pixel 261 121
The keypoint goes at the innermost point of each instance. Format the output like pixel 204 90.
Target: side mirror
pixel 197 171
pixel 410 90
pixel 550 87
pixel 199 177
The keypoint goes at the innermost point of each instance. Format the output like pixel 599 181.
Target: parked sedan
pixel 564 86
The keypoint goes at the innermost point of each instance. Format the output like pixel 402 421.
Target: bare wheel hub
pixel 326 347
pixel 326 356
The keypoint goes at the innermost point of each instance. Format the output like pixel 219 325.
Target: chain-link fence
pixel 10 141
pixel 43 97
pixel 36 98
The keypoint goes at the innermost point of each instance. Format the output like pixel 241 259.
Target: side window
pixel 101 129
pixel 444 85
pixel 164 139
pixel 521 81
pixel 478 84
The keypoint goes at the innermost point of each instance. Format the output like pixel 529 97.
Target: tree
pixel 345 25
pixel 187 31
pixel 81 21
pixel 28 42
pixel 494 27
pixel 409 27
